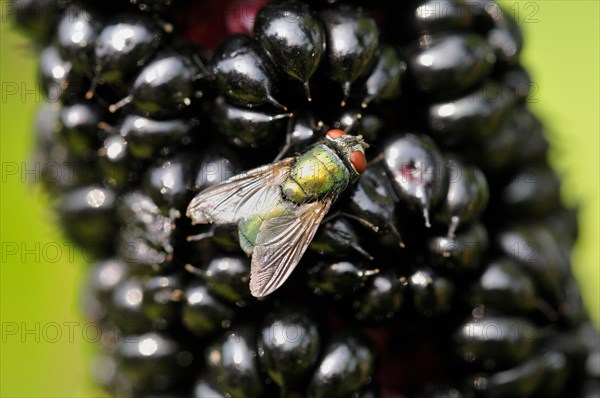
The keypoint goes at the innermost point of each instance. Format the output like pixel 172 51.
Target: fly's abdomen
pixel 249 227
pixel 317 173
pixel 247 231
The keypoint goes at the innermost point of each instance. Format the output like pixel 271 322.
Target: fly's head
pixel 350 148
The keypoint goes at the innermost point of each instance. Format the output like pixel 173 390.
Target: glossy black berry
pixel 79 128
pixel 447 63
pixel 77 32
pixel 380 299
pixel 51 152
pixel 247 127
pixel 165 86
pixel 293 38
pixel 57 78
pixel 338 238
pixel 169 182
pixel 411 19
pixel 35 18
pixel 232 362
pixel 125 43
pixel 87 217
pixel 288 346
pixel 470 118
pixel 153 362
pixel 505 36
pixel 418 172
pixel 59 174
pixel 346 366
pixel 339 279
pixel 518 140
pixel 126 307
pixel 384 80
pixel 218 164
pixel 373 200
pixel 467 196
pixel 228 277
pixel 352 43
pixel 534 191
pixel 202 312
pixel 104 276
pixel 495 341
pixel 431 293
pixel 161 299
pixel 243 72
pixel 522 380
pixel 460 253
pixel 114 162
pixel 536 250
pixel 147 137
pixel 505 286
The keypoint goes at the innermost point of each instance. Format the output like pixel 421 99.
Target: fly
pixel 279 207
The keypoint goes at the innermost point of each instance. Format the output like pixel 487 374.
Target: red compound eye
pixel 335 133
pixel 358 160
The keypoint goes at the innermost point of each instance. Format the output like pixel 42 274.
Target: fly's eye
pixel 335 133
pixel 358 160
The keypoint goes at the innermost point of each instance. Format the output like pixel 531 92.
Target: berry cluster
pixel 443 271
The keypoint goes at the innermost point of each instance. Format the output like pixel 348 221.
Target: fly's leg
pixel 352 242
pixel 288 141
pixel 361 220
pixel 204 235
pixel 204 71
pixel 376 159
pixel 366 223
pixel 316 127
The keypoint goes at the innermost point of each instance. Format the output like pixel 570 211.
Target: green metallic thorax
pixel 317 173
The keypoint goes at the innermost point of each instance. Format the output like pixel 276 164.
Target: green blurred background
pixel 44 342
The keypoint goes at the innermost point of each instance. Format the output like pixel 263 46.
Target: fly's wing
pixel 240 196
pixel 280 244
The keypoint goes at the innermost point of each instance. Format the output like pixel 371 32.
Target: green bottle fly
pixel 279 207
